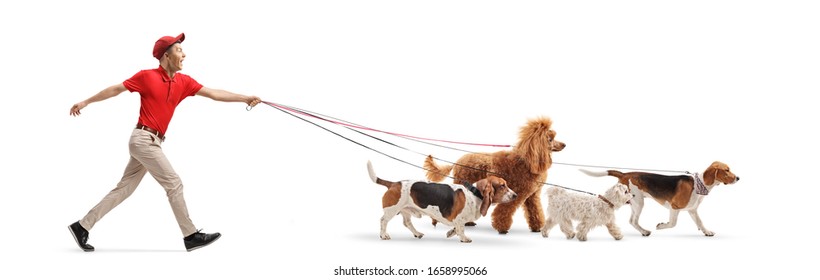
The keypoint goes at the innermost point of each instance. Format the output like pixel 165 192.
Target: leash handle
pixel 248 108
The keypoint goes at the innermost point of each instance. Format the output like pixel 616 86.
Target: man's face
pixel 175 57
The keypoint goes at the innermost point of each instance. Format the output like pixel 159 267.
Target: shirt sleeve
pixel 193 87
pixel 134 83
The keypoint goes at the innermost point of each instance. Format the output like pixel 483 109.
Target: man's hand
pixel 75 110
pixel 253 100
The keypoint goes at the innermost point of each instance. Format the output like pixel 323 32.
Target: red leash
pixel 347 124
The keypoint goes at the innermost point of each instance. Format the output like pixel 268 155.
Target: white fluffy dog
pixel 589 210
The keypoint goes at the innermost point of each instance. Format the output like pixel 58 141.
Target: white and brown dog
pixel 590 211
pixel 451 204
pixel 677 193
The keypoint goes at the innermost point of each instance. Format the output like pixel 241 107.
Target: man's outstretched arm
pixel 227 96
pixel 102 95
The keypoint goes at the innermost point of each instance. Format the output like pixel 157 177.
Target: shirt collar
pixel 164 75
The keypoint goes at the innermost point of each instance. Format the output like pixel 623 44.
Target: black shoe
pixel 199 240
pixel 81 236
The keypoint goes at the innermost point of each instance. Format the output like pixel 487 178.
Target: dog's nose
pixel 737 178
pixel 514 196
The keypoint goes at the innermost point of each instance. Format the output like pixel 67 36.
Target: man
pixel 161 90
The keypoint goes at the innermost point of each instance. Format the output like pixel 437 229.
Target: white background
pixel 644 84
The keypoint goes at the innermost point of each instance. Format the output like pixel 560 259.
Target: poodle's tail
pixel 376 179
pixel 613 173
pixel 435 172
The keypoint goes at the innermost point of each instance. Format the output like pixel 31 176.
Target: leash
pixel 349 124
pixel 622 168
pixel 352 125
pixel 292 111
pixel 303 111
pixel 353 141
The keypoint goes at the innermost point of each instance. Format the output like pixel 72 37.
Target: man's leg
pixel 131 178
pixel 146 148
pixel 150 154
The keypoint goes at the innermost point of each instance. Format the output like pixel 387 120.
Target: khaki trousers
pixel 146 156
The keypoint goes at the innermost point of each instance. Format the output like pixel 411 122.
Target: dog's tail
pixel 435 172
pixel 613 173
pixel 376 179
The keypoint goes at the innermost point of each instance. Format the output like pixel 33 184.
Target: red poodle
pixel 524 167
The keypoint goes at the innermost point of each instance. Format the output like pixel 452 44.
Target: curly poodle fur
pixel 524 167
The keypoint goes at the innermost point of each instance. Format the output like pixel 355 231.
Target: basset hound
pixel 451 204
pixel 677 193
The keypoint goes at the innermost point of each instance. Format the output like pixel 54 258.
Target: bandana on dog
pixel 700 187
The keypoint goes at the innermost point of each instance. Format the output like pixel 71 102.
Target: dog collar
pixel 700 187
pixel 607 201
pixel 473 190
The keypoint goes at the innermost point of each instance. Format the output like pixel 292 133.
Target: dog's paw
pixel 419 236
pixel 466 240
pixel 545 233
pixel 503 231
pixel 646 233
pixel 451 232
pixel 385 236
pixel 582 238
pixel 571 236
pixel 709 233
pixel 618 237
pixel 663 226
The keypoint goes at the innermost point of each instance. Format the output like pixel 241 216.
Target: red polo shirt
pixel 160 95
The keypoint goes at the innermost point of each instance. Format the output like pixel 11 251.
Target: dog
pixel 677 193
pixel 524 167
pixel 454 205
pixel 590 211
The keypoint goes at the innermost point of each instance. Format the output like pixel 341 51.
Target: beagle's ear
pixel 709 175
pixel 487 192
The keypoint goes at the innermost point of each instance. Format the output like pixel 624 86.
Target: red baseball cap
pixel 165 42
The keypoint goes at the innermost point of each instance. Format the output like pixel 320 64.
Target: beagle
pixel 677 193
pixel 451 204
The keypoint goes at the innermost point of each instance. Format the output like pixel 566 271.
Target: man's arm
pixel 227 96
pixel 102 95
